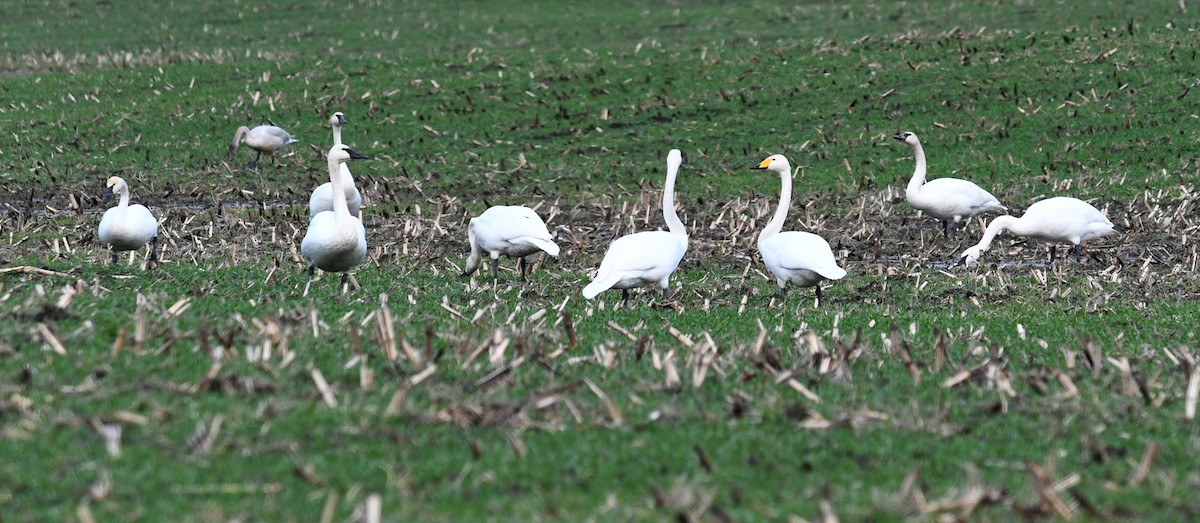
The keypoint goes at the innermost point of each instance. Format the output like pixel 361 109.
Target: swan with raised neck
pixel 799 258
pixel 648 257
pixel 947 199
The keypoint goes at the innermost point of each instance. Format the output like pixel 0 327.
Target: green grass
pixel 573 108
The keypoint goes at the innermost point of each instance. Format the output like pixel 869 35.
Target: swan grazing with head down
pixel 264 139
pixel 945 198
pixel 645 257
pixel 1057 220
pixel 801 258
pixel 336 240
pixel 507 229
pixel 127 227
pixel 322 196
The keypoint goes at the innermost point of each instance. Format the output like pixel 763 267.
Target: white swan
pixel 322 196
pixel 646 257
pixel 801 258
pixel 127 227
pixel 945 198
pixel 264 139
pixel 507 229
pixel 1057 220
pixel 335 241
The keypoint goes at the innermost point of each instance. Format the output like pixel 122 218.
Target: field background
pixel 209 388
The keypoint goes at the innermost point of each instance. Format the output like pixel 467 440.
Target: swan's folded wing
pixel 796 250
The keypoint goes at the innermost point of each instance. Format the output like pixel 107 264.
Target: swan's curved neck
pixel 238 136
pixel 674 224
pixel 785 200
pixel 337 135
pixel 341 210
pixel 918 177
pixel 124 197
pixel 998 225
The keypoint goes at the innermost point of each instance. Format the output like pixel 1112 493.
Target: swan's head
pixel 970 256
pixel 674 159
pixel 777 163
pixel 343 153
pixel 337 120
pixel 908 138
pixel 114 185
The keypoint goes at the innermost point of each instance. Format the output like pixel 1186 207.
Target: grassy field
pixel 211 388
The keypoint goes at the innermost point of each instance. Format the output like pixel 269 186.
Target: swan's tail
pixel 832 273
pixel 476 255
pixel 292 140
pixel 599 286
pixel 549 246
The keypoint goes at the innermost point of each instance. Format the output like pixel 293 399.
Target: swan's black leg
pixel 1053 252
pixel 818 286
pixel 494 263
pixel 113 261
pixel 154 249
pixel 783 293
pixel 1078 252
pixel 945 228
pixel 345 282
pixel 256 158
pixel 666 293
pixel 624 295
pixel 524 267
pixel 312 269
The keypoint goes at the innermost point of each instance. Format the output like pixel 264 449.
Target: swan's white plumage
pixel 335 241
pixel 511 230
pixel 263 139
pixel 947 199
pixel 1060 219
pixel 648 257
pixel 126 227
pixel 800 258
pixel 322 197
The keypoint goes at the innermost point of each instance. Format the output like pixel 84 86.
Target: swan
pixel 645 257
pixel 336 240
pixel 264 139
pixel 1057 220
pixel 507 229
pixel 322 197
pixel 801 258
pixel 945 198
pixel 127 227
